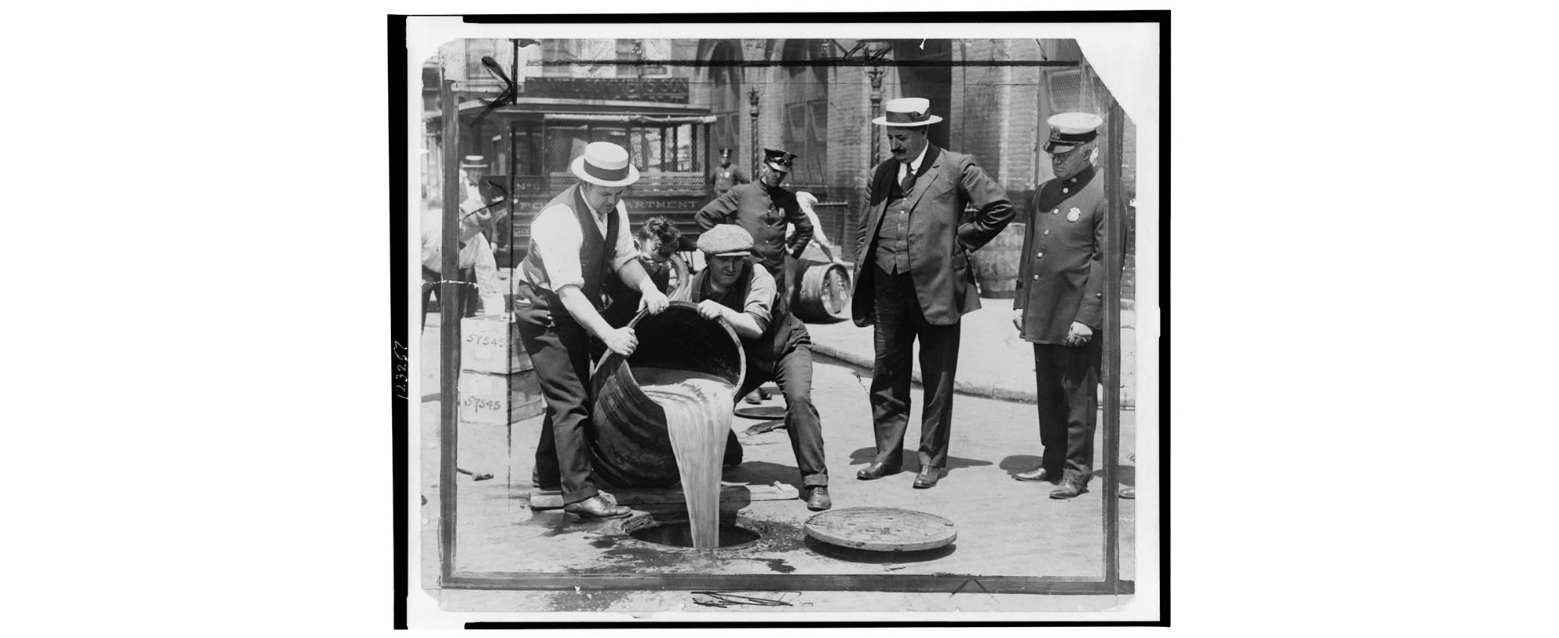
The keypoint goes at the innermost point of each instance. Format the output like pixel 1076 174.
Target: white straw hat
pixel 605 164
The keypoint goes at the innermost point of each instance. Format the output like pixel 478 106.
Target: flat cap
pixel 725 240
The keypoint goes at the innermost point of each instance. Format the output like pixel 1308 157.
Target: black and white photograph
pixel 784 321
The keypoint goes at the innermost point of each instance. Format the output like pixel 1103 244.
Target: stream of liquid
pixel 698 419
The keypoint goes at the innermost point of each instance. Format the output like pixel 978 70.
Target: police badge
pixel 1074 215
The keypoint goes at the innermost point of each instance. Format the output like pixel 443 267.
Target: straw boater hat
pixel 1070 130
pixel 473 161
pixel 605 164
pixel 907 111
pixel 725 240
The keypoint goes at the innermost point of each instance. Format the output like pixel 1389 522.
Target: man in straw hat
pixel 727 176
pixel 577 241
pixel 1060 302
pixel 913 279
pixel 776 344
pixel 478 267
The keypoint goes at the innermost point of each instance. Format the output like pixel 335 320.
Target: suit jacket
pixel 764 213
pixel 939 245
pixel 1061 268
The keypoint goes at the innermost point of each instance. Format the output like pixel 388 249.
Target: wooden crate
pixel 491 344
pixel 499 399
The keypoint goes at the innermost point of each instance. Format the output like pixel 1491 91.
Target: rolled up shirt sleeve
pixel 557 237
pixel 625 250
pixel 760 297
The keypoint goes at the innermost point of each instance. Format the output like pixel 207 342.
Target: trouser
pixel 793 374
pixel 560 352
pixel 899 322
pixel 1066 381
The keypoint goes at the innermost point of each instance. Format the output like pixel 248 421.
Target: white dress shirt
pixel 557 236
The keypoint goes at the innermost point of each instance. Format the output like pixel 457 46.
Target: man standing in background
pixel 727 176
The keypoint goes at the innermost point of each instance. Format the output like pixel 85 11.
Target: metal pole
pixel 752 97
pixel 875 73
pixel 449 332
pixel 1113 243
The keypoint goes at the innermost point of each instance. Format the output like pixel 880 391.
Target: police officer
pixel 577 241
pixel 1060 302
pixel 727 176
pixel 765 210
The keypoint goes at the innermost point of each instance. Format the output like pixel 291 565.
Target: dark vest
pixel 595 255
pixel 893 233
pixel 781 333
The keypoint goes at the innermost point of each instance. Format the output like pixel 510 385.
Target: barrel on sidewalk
pixel 996 263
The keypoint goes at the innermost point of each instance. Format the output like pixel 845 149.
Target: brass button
pixel 1036 277
pixel 1065 190
pixel 1038 255
pixel 1047 231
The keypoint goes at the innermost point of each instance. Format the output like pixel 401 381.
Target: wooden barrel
pixel 629 439
pixel 822 291
pixel 996 263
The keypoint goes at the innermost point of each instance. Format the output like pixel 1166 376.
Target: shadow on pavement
pixel 865 455
pixel 876 558
pixel 763 473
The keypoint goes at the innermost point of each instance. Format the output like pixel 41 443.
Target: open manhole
pixel 680 534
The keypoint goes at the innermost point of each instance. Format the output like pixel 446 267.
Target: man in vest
pixel 578 241
pixel 913 280
pixel 1060 302
pixel 727 176
pixel 776 344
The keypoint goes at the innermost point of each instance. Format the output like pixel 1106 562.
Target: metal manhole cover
pixel 761 412
pixel 881 529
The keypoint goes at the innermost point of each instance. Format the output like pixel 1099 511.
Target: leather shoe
pixel 596 507
pixel 817 499
pixel 927 477
pixel 1128 492
pixel 1035 475
pixel 875 471
pixel 1068 489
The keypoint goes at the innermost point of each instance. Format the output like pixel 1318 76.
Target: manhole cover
pixel 881 529
pixel 762 412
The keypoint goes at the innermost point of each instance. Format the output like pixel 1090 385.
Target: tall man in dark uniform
pixel 913 280
pixel 764 210
pixel 577 241
pixel 776 344
pixel 1060 302
pixel 727 176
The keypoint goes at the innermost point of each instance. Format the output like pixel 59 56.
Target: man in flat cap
pixel 727 176
pixel 913 280
pixel 1060 301
pixel 577 242
pixel 776 344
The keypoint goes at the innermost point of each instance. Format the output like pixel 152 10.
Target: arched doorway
pixel 804 118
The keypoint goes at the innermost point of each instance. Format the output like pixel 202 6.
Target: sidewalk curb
pixel 863 364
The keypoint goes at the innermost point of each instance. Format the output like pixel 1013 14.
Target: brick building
pixel 815 98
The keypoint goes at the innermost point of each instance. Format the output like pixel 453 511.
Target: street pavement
pixel 1005 527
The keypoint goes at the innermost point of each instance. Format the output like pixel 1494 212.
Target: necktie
pixel 909 180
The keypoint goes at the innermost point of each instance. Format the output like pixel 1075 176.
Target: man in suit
pixel 1060 302
pixel 578 241
pixel 913 280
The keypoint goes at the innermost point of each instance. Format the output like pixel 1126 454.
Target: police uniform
pixel 727 176
pixel 1061 280
pixel 764 212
